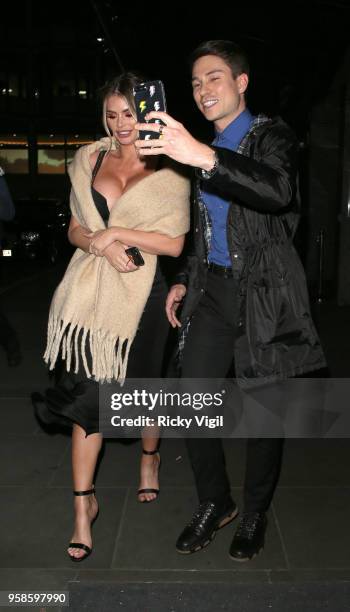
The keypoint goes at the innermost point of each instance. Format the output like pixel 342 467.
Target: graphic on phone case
pixel 149 96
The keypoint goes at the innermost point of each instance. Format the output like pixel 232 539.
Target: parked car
pixel 39 230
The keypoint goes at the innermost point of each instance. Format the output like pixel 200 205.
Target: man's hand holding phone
pixel 175 141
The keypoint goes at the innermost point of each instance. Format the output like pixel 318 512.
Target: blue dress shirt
pixel 217 207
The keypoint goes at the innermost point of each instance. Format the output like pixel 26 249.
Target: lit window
pixel 51 161
pixel 14 161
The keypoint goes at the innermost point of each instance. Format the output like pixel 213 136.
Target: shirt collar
pixel 232 135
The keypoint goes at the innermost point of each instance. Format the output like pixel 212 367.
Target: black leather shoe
pixel 203 526
pixel 249 538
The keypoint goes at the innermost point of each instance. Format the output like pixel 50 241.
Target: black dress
pixel 75 398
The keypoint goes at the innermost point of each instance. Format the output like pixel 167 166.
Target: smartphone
pixel 149 96
pixel 135 256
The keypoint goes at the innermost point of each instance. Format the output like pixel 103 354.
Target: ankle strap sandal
pixel 89 492
pixel 84 547
pixel 155 491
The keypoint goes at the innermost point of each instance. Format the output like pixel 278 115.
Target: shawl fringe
pixel 109 355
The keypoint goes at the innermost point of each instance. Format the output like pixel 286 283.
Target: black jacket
pixel 277 338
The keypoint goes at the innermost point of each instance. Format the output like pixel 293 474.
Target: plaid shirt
pixel 243 149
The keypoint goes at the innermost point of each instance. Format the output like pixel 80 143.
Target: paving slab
pixel 37 523
pixel 316 462
pixel 313 524
pixel 30 460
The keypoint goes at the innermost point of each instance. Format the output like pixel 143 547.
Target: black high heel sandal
pixel 84 547
pixel 156 491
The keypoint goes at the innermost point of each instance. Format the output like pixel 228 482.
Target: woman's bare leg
pixel 149 463
pixel 85 451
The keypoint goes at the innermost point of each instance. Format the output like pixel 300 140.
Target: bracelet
pixel 90 246
pixel 207 174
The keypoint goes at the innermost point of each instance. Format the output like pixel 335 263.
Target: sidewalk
pixel 308 538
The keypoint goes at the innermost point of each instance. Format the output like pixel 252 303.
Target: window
pixel 56 151
pixel 14 153
pixel 14 161
pixel 64 81
pixel 51 161
pixel 12 85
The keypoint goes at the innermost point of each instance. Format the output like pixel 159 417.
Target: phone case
pixel 135 255
pixel 149 96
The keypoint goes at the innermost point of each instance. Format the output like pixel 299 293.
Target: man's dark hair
pixel 231 53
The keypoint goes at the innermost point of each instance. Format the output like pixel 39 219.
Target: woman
pixel 104 298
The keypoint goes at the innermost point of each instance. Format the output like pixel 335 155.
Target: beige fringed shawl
pixel 95 303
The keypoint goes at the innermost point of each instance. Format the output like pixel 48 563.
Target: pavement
pixel 308 538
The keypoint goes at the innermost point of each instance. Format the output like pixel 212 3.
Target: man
pixel 246 299
pixel 8 336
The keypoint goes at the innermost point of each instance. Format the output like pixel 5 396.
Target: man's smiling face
pixel 218 95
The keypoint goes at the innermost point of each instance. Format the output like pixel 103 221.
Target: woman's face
pixel 120 120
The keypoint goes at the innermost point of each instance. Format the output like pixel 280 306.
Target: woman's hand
pixel 100 241
pixel 116 256
pixel 174 298
pixel 174 141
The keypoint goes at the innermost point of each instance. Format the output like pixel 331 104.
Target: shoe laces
pixel 203 512
pixel 248 524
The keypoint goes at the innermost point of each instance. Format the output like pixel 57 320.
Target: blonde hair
pixel 123 85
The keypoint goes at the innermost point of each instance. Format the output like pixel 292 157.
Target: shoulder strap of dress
pixel 98 164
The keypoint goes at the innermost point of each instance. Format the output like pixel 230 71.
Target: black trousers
pixel 208 353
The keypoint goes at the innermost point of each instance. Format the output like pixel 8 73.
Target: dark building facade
pixel 53 61
pixel 56 56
